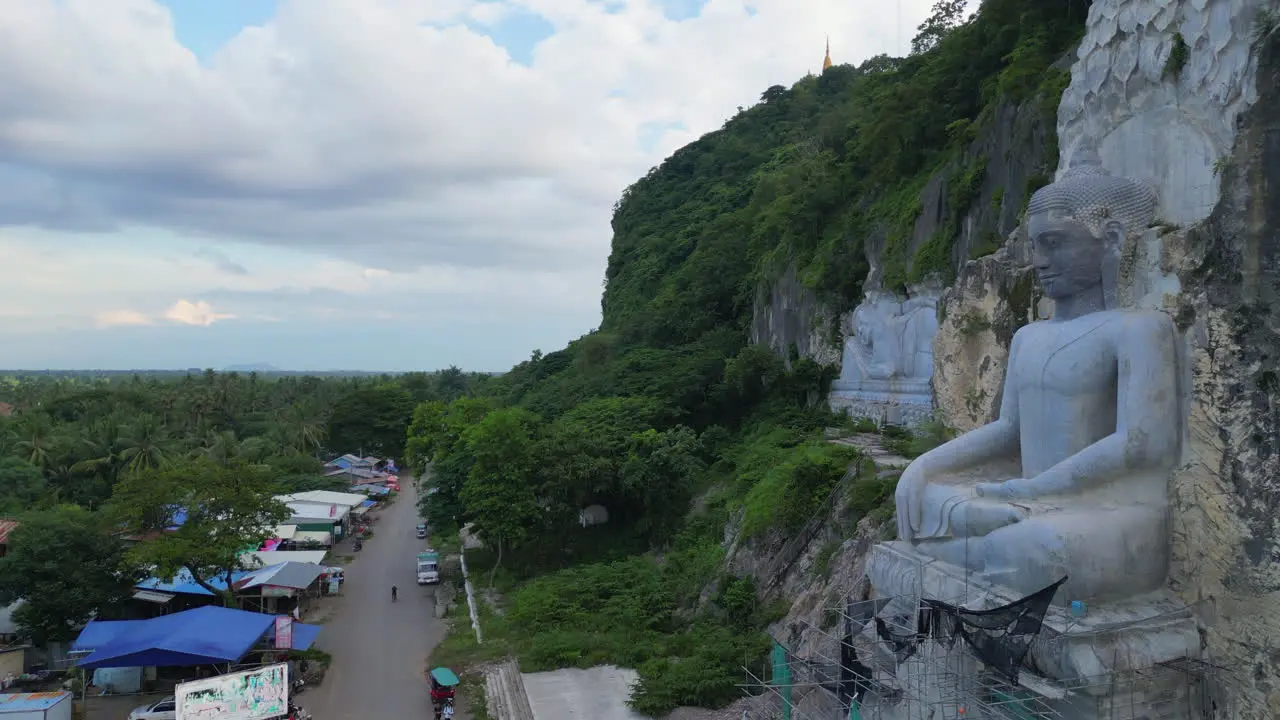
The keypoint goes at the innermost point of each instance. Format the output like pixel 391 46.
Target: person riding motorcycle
pixel 394 591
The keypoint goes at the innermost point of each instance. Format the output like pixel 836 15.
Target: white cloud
pixel 381 134
pixel 118 318
pixel 199 312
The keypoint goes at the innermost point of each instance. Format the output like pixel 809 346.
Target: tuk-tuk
pixel 443 684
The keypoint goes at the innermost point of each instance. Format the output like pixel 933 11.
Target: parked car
pixel 421 530
pixel 165 709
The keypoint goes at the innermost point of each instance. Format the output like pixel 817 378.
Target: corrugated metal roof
pixel 6 526
pixel 323 497
pixel 26 702
pixel 295 575
pixel 302 536
pixel 260 559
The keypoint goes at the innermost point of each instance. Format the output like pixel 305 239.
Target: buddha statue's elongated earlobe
pixel 1113 237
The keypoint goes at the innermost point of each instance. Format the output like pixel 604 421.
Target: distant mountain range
pixel 253 367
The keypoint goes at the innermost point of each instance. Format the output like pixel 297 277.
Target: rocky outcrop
pixel 1011 154
pixel 789 315
pixel 1227 524
pixel 992 298
pixel 1184 95
pixel 1166 92
pixel 1156 92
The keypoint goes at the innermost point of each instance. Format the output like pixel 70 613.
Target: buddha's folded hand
pixel 907 499
pixel 1012 489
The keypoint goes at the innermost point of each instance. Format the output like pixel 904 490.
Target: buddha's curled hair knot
pixel 1092 196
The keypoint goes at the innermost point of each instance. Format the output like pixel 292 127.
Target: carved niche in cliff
pixel 887 361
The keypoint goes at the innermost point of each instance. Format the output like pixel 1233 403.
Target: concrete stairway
pixel 505 693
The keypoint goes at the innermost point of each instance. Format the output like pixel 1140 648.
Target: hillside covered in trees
pixel 667 415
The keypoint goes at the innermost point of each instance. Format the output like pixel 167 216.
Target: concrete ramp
pixel 598 693
pixel 505 694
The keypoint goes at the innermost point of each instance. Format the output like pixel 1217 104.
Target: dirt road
pixel 379 648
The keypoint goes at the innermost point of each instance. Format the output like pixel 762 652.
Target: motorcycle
pixel 297 713
pixel 298 685
pixel 445 711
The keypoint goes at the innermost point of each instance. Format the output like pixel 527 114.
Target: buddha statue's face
pixel 1067 256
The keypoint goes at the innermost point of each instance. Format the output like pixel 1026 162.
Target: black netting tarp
pixel 855 676
pixel 1000 637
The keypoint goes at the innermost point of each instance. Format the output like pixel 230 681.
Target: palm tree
pixel 102 445
pixel 8 438
pixel 219 446
pixel 37 443
pixel 145 445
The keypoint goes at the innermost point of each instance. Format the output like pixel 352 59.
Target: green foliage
pixel 372 420
pixel 65 568
pixel 912 443
pixel 822 563
pixel 22 486
pixel 624 613
pixel 133 448
pixel 668 400
pixel 501 494
pixel 228 509
pixel 946 16
pixel 974 322
pixel 793 483
pixel 1179 54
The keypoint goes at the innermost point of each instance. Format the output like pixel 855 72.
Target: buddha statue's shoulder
pixel 1132 323
pixel 1121 324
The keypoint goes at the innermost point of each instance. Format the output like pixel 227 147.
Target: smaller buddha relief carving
pixel 891 340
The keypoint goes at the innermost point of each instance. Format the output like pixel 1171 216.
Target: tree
pixel 501 493
pixel 772 93
pixel 947 15
pixel 229 509
pixel 435 444
pixel 659 473
pixel 65 568
pixel 372 421
pixel 22 486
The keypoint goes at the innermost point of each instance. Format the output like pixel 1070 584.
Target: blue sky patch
pixel 650 134
pixel 678 10
pixel 519 32
pixel 204 26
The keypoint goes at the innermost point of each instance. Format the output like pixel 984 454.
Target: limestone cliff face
pixel 1013 148
pixel 1227 529
pixel 991 299
pixel 1186 96
pixel 788 314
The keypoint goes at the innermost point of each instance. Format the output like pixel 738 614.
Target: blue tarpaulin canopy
pixel 184 584
pixel 203 636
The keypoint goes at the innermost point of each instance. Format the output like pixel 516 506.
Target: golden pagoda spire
pixel 826 61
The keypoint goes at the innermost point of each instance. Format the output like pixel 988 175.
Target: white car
pixel 165 709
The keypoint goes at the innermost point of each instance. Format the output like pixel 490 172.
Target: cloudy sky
pixel 355 184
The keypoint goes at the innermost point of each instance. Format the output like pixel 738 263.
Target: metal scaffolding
pixel 855 673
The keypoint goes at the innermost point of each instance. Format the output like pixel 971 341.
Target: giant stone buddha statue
pixel 1072 479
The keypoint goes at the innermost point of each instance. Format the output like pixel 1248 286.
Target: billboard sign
pixel 284 632
pixel 250 695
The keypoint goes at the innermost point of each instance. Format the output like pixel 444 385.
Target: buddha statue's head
pixel 1077 226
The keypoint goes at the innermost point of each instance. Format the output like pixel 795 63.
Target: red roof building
pixel 6 526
